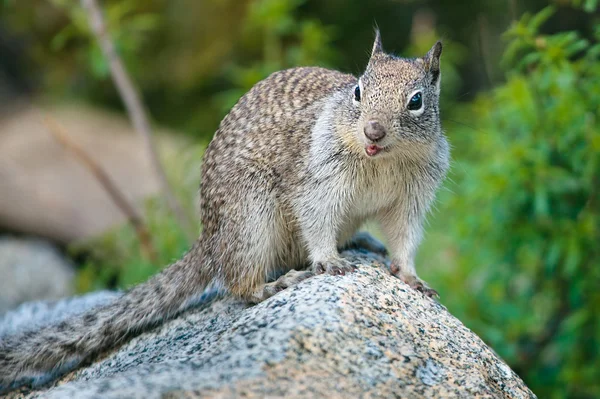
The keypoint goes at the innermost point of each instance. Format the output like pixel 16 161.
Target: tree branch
pixel 133 216
pixel 135 108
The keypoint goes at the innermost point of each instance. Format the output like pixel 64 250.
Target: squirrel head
pixel 397 100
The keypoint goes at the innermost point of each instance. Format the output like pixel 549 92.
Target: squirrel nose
pixel 374 131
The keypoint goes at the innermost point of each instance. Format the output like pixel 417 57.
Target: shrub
pixel 524 218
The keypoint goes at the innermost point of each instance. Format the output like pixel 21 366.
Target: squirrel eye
pixel 416 102
pixel 357 93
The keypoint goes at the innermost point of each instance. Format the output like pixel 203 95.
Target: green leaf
pixel 542 16
pixel 590 6
pixel 98 63
pixel 541 202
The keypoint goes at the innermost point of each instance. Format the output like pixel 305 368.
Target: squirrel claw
pixel 336 267
pixel 289 279
pixel 421 287
pixel 415 283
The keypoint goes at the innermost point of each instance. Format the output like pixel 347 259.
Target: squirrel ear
pixel 377 48
pixel 432 63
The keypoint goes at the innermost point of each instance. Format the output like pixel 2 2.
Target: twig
pixel 484 47
pixel 133 216
pixel 135 108
pixel 512 6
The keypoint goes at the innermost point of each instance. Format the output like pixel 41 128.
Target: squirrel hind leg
pixel 288 280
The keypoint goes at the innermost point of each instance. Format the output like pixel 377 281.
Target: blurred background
pixel 513 245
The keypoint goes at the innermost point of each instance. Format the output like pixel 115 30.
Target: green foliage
pixel 128 30
pixel 524 218
pixel 284 40
pixel 587 5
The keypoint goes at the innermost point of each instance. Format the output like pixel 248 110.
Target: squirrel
pixel 296 167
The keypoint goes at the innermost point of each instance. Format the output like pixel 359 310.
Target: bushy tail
pixel 35 357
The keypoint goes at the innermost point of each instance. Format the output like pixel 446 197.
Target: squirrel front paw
pixel 413 281
pixel 334 266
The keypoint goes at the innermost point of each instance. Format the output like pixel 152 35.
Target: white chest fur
pixel 378 186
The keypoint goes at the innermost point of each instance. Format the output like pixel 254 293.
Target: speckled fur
pixel 286 180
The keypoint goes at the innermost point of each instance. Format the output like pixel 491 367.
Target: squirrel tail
pixel 36 357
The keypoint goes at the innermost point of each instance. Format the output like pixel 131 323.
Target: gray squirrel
pixel 296 167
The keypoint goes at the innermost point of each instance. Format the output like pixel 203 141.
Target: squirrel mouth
pixel 373 150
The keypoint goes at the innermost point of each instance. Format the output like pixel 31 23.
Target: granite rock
pixel 361 335
pixel 32 269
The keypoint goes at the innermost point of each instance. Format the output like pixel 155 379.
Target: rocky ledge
pixel 361 335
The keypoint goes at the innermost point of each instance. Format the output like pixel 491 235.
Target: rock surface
pixel 361 335
pixel 45 191
pixel 31 270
